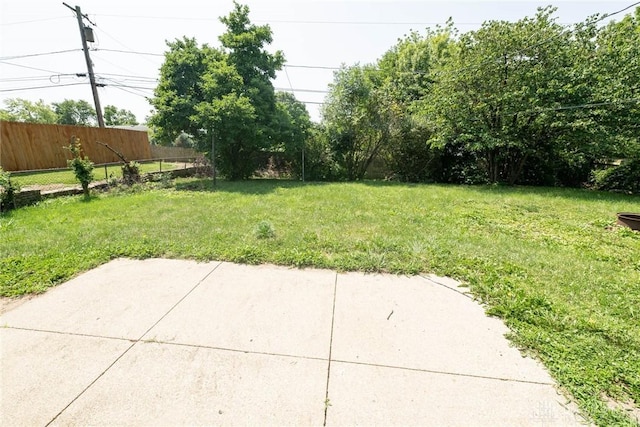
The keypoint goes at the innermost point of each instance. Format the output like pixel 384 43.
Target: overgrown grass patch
pixel 550 262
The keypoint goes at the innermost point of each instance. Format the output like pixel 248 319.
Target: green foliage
pixel 264 230
pixel 118 117
pixel 291 127
pixel 22 110
pixel 81 165
pixel 227 90
pixel 77 113
pixel 68 112
pixel 184 140
pixel 357 120
pixel 319 162
pixel 512 102
pixel 624 177
pixel 8 189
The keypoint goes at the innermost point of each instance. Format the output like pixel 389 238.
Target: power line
pixel 30 68
pixel 38 54
pixel 120 43
pixel 129 52
pixel 284 89
pixel 35 20
pixel 41 87
pixel 580 106
pixel 319 67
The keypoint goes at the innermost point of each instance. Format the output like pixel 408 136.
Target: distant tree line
pixel 526 102
pixel 67 112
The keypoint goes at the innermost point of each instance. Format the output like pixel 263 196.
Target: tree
pixel 118 117
pixel 292 129
pixel 357 119
pixel 226 90
pixel 179 90
pixel 499 97
pixel 184 140
pixel 406 76
pixel 617 68
pixel 22 110
pixel 77 113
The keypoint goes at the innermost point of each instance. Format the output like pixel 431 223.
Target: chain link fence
pixel 109 173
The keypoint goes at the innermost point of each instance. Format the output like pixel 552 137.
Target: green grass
pixel 550 262
pixel 67 176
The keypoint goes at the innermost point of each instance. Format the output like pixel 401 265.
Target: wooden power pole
pixel 92 77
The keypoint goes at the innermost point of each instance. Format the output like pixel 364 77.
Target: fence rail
pixel 63 177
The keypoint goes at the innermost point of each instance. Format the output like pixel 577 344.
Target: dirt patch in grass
pixel 629 407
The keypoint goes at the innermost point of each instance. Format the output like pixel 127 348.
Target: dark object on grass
pixel 629 219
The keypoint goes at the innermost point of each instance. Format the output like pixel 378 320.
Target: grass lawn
pixel 67 176
pixel 550 262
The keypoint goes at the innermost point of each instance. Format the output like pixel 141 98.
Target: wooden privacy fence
pixel 29 146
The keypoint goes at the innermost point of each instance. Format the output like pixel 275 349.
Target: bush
pixel 625 177
pixel 7 191
pixel 319 162
pixel 81 165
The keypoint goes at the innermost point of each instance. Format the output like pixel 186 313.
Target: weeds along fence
pixel 31 146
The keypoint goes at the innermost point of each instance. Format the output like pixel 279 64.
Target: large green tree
pixel 23 110
pixel 616 67
pixel 227 90
pixel 502 98
pixel 75 112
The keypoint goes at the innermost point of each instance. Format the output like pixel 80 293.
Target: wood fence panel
pixel 29 146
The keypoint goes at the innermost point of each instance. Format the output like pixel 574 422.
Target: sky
pixel 41 55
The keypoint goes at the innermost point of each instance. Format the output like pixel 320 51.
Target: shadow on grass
pixel 267 186
pixel 251 186
pixel 560 192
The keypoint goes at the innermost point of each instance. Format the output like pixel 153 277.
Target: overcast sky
pixel 130 40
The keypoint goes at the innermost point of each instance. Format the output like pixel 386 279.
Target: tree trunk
pixel 85 190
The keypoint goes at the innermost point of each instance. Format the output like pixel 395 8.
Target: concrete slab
pixel 362 395
pixel 159 384
pixel 266 309
pixel 121 299
pixel 413 323
pixel 43 372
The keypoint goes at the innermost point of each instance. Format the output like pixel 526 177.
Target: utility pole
pixel 85 48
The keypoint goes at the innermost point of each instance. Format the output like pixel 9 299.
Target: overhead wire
pixel 6 24
pixel 41 87
pixel 32 55
pixel 30 68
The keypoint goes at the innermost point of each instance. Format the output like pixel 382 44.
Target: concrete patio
pixel 168 342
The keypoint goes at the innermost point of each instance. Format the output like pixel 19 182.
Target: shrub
pixel 7 191
pixel 81 165
pixel 625 177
